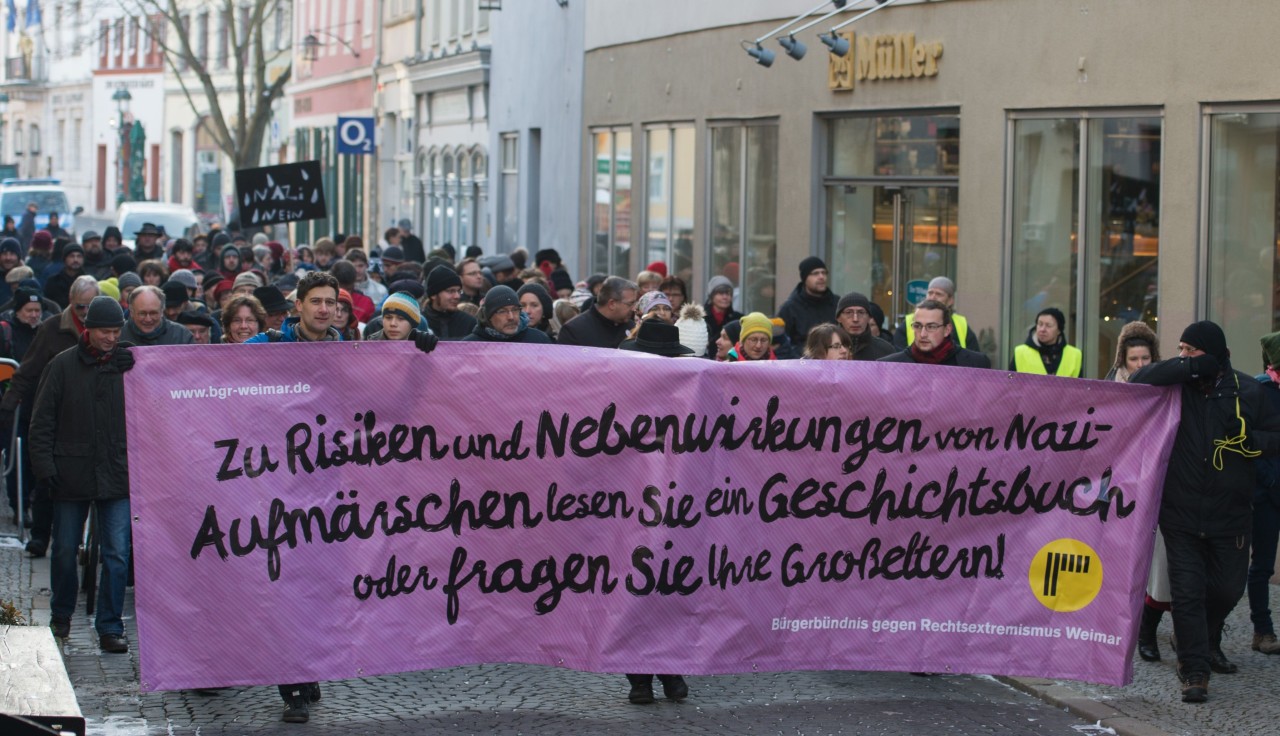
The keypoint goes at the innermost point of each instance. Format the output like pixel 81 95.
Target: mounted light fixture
pixel 794 48
pixel 764 57
pixel 838 44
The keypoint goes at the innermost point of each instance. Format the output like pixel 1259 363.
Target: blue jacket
pixel 288 332
pixel 1268 467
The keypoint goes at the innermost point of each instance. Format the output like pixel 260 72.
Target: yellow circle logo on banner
pixel 1065 575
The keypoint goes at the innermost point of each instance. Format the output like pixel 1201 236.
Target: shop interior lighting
pixel 795 49
pixel 837 43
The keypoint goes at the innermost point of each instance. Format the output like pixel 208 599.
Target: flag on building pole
pixel 33 13
pixel 11 23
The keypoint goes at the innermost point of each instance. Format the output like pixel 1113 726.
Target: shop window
pixel 1085 228
pixel 744 212
pixel 1244 228
pixel 611 205
pixel 669 198
pixel 891 206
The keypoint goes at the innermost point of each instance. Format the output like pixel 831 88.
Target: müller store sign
pixel 882 57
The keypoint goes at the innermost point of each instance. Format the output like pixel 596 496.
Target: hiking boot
pixel 113 643
pixel 1219 663
pixel 641 689
pixel 314 694
pixel 296 708
pixel 1195 689
pixel 61 627
pixel 1266 643
pixel 674 687
pixel 37 547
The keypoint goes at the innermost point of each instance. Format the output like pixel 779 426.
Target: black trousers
pixel 1207 576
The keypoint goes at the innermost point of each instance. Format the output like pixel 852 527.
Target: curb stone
pixel 1064 697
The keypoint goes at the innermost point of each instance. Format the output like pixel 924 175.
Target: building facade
pixel 335 50
pixel 536 126
pixel 1128 154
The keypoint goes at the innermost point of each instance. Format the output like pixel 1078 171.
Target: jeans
pixel 1207 576
pixel 113 538
pixel 1266 534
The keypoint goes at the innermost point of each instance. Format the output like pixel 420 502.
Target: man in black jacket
pixel 604 325
pixel 810 304
pixel 502 320
pixel 853 313
pixel 444 292
pixel 1205 512
pixel 78 453
pixel 935 343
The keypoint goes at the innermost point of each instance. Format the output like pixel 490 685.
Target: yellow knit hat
pixel 753 323
pixel 110 288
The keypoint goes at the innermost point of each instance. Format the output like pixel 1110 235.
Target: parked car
pixel 48 196
pixel 177 220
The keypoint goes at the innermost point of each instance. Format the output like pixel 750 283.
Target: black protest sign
pixel 284 193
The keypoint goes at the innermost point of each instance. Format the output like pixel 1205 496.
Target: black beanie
pixel 809 265
pixel 853 299
pixel 733 330
pixel 70 248
pixel 441 278
pixel 104 311
pixel 1207 336
pixel 560 280
pixel 539 291
pixel 1057 315
pixel 123 263
pixel 497 298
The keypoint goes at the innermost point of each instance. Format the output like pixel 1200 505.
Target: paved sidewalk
pixel 531 700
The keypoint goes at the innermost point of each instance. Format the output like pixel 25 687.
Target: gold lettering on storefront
pixel 882 57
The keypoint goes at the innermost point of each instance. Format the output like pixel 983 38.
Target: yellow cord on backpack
pixel 1234 444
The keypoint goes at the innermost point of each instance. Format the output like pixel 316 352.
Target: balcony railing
pixel 22 69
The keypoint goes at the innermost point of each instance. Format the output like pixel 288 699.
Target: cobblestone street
pixel 508 698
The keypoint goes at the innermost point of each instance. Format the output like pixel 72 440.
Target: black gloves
pixel 1203 366
pixel 424 341
pixel 122 359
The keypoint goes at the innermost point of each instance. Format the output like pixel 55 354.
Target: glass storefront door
pixel 883 237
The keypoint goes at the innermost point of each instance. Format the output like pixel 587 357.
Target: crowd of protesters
pixel 72 312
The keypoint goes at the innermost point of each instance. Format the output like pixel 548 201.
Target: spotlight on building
pixel 795 49
pixel 836 43
pixel 763 56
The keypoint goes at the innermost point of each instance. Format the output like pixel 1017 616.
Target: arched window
pixel 479 164
pixel 17 138
pixel 35 140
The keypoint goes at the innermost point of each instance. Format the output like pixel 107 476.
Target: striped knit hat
pixel 403 305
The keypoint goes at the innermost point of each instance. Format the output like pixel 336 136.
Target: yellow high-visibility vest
pixel 960 329
pixel 1026 359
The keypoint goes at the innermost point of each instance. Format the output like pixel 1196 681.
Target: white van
pixel 177 220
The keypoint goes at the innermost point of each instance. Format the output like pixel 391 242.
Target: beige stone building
pixel 1116 160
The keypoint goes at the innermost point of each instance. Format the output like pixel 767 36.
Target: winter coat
pixel 961 357
pixel 58 287
pixel 1268 468
pixel 527 336
pixel 1199 498
pixel 168 333
pixel 803 311
pixel 869 347
pixel 1138 330
pixel 714 327
pixel 53 336
pixel 22 333
pixel 77 428
pixel 456 325
pixel 288 332
pixel 99 266
pixel 592 330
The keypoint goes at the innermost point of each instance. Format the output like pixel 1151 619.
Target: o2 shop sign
pixel 355 136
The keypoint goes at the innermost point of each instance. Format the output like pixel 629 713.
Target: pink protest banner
pixel 325 511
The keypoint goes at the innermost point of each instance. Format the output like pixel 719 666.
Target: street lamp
pixel 121 97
